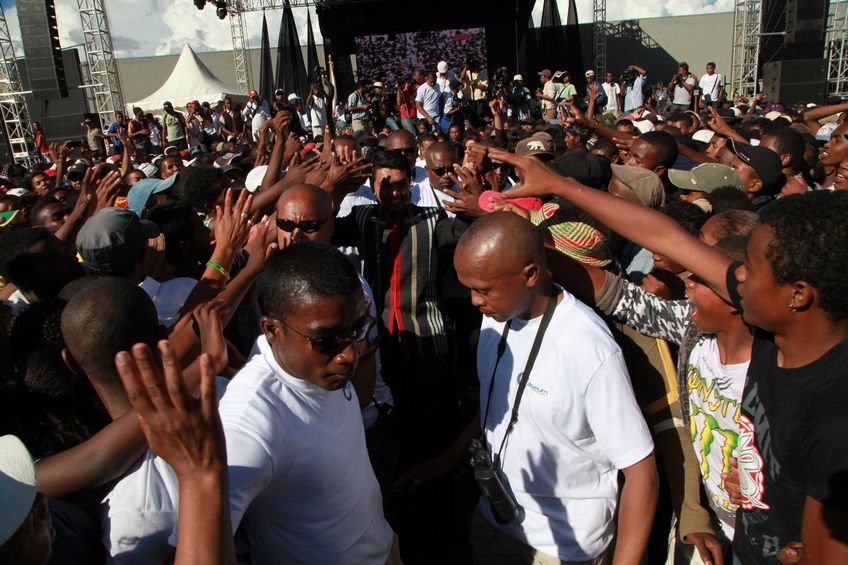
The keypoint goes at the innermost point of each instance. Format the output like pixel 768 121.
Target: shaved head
pixel 501 259
pixel 304 203
pixel 400 139
pixel 306 196
pixel 440 152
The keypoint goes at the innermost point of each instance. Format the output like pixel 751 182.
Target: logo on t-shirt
pixel 537 389
pixel 750 464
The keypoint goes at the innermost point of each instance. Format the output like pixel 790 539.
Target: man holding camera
pixel 680 87
pixel 557 418
pixel 547 95
pixel 633 85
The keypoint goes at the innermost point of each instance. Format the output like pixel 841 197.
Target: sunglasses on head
pixel 306 226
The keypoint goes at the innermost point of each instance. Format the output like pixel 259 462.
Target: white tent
pixel 190 80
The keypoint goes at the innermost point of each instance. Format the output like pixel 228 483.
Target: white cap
pixel 148 169
pixel 17 485
pixel 773 115
pixel 590 73
pixel 644 126
pixel 294 96
pixel 442 67
pixel 253 180
pixel 518 77
pixel 17 191
pixel 703 135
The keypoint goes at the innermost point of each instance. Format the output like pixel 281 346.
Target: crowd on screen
pixel 484 316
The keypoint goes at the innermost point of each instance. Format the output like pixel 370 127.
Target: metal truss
pixel 13 110
pixel 747 21
pixel 836 50
pixel 100 55
pixel 599 36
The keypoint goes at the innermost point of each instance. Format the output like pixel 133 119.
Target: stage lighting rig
pixel 221 12
pixel 199 4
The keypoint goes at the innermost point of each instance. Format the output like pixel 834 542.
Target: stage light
pixel 222 9
pixel 199 4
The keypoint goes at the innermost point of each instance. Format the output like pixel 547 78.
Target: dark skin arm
pixel 635 222
pixel 823 534
pixel 636 511
pixel 812 117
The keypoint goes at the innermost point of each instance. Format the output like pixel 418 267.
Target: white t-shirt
pixel 578 424
pixel 300 479
pixel 682 96
pixel 612 91
pixel 715 395
pixel 168 297
pixel 140 513
pixel 318 112
pixel 382 393
pixel 710 85
pixel 429 98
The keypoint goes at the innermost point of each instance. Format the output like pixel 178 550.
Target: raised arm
pixel 639 224
pixel 812 117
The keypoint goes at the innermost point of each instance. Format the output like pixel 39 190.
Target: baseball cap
pixel 252 93
pixel 294 96
pixel 518 77
pixel 172 151
pixel 705 178
pixel 17 485
pixel 559 74
pixel 279 91
pixel 141 192
pixel 534 146
pixel 545 73
pixel 77 171
pixel 583 167
pixel 645 184
pixel 824 132
pixel 703 135
pixel 167 105
pixel 17 192
pixel 148 169
pixel 254 178
pixel 378 84
pixel 590 73
pixel 442 67
pixel 112 239
pixel 644 126
pixel 764 161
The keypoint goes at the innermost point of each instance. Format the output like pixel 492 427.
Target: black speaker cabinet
pixel 40 34
pixel 799 80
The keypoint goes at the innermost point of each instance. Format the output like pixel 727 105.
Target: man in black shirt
pixel 793 445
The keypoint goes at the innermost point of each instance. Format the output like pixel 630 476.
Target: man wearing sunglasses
pixel 300 481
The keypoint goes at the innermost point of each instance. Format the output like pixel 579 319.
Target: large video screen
pixel 391 58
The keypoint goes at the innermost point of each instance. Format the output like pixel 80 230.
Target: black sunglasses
pixel 442 171
pixel 334 343
pixel 306 226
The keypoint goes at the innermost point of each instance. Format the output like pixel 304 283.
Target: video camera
pixel 629 75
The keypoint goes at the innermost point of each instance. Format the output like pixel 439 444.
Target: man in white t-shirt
pixel 578 423
pixel 547 94
pixel 680 87
pixel 613 92
pixel 427 99
pixel 712 86
pixel 301 484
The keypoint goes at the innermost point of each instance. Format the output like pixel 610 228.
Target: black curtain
pixel 312 59
pixel 291 74
pixel 266 70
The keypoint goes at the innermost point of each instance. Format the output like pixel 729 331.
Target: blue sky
pixel 160 27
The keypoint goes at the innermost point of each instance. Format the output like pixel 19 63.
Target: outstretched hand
pixel 538 180
pixel 184 431
pixel 232 220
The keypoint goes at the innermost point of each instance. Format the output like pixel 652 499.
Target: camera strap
pixel 525 375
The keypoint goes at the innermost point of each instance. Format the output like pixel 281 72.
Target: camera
pixel 504 507
pixel 628 75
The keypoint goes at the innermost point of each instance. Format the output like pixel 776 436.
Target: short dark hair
pixel 688 215
pixel 17 243
pixel 788 141
pixel 664 145
pixel 729 198
pixel 107 316
pixel 684 117
pixel 683 64
pixel 711 63
pixel 730 223
pixel 734 246
pixel 810 243
pixel 175 222
pixel 42 203
pixel 198 186
pixel 382 159
pixel 298 274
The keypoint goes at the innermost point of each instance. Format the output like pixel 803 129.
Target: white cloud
pixel 161 27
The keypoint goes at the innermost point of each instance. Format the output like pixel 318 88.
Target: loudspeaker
pixel 800 25
pixel 801 80
pixel 40 34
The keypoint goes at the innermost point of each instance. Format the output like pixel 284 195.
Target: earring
pixel 793 308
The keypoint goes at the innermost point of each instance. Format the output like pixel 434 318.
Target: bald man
pixel 578 422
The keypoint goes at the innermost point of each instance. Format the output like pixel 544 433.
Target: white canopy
pixel 190 80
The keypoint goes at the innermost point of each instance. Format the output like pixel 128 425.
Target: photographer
pixel 519 100
pixel 680 87
pixel 476 86
pixel 453 107
pixel 405 94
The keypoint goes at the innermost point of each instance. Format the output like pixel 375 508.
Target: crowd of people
pixel 280 333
